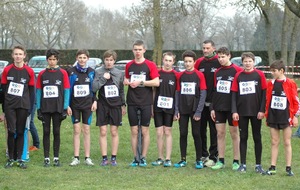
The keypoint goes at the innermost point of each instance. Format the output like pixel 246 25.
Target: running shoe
pixel 180 164
pixel 270 171
pixel 134 163
pixel 199 165
pixel 143 162
pixel 242 169
pixel 75 162
pixel 289 173
pixel 259 169
pixel 88 161
pixel 113 161
pixel 157 162
pixel 209 163
pixel 104 162
pixel 46 162
pixel 235 166
pixel 21 164
pixel 167 163
pixel 33 148
pixel 9 163
pixel 219 165
pixel 56 163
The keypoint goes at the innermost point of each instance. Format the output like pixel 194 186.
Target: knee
pixel 114 132
pixel 103 132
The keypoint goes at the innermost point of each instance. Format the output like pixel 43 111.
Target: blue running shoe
pixel 180 164
pixel 143 162
pixel 199 165
pixel 134 163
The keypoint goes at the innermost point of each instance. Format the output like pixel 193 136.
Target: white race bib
pixel 135 77
pixel 188 88
pixel 15 89
pixel 50 91
pixel 81 90
pixel 278 102
pixel 223 86
pixel 165 102
pixel 111 91
pixel 247 87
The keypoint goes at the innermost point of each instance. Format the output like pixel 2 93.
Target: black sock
pixel 236 161
pixel 273 167
pixel 104 157
pixel 288 168
pixel 222 160
pixel 113 157
pixel 76 157
pixel 86 158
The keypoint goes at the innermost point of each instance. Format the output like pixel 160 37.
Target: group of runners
pixel 210 91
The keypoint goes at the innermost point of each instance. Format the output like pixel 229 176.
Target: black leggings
pixel 256 133
pixel 56 122
pixel 16 121
pixel 183 128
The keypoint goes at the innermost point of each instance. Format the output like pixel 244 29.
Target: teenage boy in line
pixel 111 104
pixel 281 114
pixel 221 108
pixel 190 99
pixel 248 103
pixel 82 104
pixel 53 94
pixel 140 76
pixel 163 107
pixel 18 86
pixel 208 64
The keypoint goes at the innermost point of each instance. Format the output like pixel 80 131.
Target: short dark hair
pixel 19 47
pixel 169 53
pixel 248 54
pixel 189 53
pixel 51 52
pixel 139 43
pixel 83 51
pixel 223 50
pixel 277 64
pixel 109 53
pixel 209 42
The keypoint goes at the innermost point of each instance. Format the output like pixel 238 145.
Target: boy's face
pixel 138 51
pixel 248 64
pixel 189 63
pixel 223 59
pixel 18 55
pixel 207 49
pixel 82 59
pixel 52 61
pixel 168 62
pixel 109 62
pixel 277 74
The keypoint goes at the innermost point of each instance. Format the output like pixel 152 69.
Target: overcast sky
pixel 110 4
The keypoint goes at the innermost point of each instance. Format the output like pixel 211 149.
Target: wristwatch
pixel 142 83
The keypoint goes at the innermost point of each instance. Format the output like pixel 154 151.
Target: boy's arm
pixel 98 81
pixel 200 104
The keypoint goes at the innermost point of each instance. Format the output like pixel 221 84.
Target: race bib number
pixel 111 91
pixel 81 90
pixel 50 92
pixel 247 87
pixel 164 102
pixel 223 86
pixel 188 88
pixel 135 77
pixel 278 103
pixel 15 89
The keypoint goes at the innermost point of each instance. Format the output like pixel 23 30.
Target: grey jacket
pixel 117 77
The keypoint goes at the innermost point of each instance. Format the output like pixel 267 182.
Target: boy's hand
pixel 295 122
pixel 213 115
pixel 94 106
pixel 176 117
pixel 235 116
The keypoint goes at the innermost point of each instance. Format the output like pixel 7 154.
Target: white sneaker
pixel 89 162
pixel 75 162
pixel 209 163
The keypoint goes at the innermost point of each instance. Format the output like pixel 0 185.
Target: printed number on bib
pixel 223 86
pixel 247 87
pixel 111 91
pixel 15 89
pixel 81 90
pixel 135 77
pixel 188 88
pixel 50 92
pixel 278 103
pixel 164 102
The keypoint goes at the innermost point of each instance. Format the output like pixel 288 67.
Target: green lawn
pixel 125 177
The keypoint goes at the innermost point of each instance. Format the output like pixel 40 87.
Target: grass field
pixel 125 177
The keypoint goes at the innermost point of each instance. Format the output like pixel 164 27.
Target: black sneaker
pixel 46 162
pixel 21 164
pixel 56 163
pixel 9 163
pixel 289 173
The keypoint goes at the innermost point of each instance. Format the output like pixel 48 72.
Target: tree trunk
pixel 284 34
pixel 157 51
pixel 294 37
